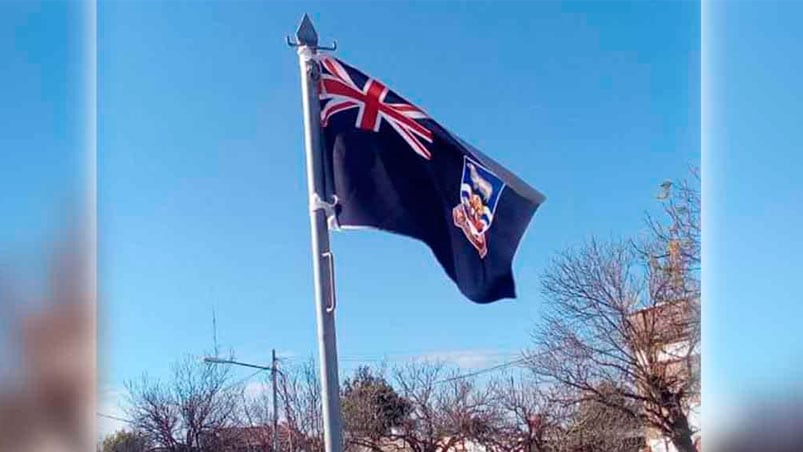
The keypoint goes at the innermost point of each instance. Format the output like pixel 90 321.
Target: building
pixel 666 338
pixel 257 438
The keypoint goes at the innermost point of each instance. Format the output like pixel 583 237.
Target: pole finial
pixel 306 36
pixel 306 33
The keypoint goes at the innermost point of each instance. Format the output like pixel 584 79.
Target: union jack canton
pixel 342 93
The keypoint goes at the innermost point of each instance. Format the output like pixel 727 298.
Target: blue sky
pixel 201 176
pixel 202 199
pixel 753 346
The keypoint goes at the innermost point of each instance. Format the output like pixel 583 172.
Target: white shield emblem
pixel 480 190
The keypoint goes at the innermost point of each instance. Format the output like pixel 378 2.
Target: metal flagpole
pixel 322 259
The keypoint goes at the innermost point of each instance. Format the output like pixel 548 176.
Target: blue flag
pixel 394 168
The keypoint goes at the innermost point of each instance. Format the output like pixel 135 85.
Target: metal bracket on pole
pixel 292 43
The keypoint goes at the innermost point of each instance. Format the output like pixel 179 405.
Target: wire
pixel 246 378
pixel 482 371
pixel 433 356
pixel 109 416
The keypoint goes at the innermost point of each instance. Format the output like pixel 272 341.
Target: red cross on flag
pixel 343 94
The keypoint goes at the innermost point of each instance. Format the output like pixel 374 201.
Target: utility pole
pixel 275 404
pixel 274 370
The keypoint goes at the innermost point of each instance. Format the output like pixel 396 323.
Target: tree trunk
pixel 681 435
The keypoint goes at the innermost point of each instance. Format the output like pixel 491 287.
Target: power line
pixel 246 378
pixel 447 356
pixel 109 416
pixel 482 371
pixel 397 355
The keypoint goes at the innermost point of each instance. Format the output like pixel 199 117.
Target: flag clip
pixel 316 203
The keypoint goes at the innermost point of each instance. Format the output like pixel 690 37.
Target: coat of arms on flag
pixel 479 193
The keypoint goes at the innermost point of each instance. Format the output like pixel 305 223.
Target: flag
pixel 394 168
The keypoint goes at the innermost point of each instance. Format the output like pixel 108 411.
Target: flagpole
pixel 322 259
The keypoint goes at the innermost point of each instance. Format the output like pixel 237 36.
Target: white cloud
pixel 110 405
pixel 469 359
pixel 255 389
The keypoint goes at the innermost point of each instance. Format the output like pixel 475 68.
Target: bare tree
pixel 672 248
pixel 255 419
pixel 300 426
pixel 301 402
pixel 534 415
pixel 625 315
pixel 596 427
pixel 154 412
pixel 681 231
pixel 423 430
pixel 468 412
pixel 186 412
pixel 255 415
pixel 124 441
pixel 445 409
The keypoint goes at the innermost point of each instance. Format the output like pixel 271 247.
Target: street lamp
pixel 273 371
pixel 212 360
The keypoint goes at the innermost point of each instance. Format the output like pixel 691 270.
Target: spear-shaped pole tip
pixel 306 33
